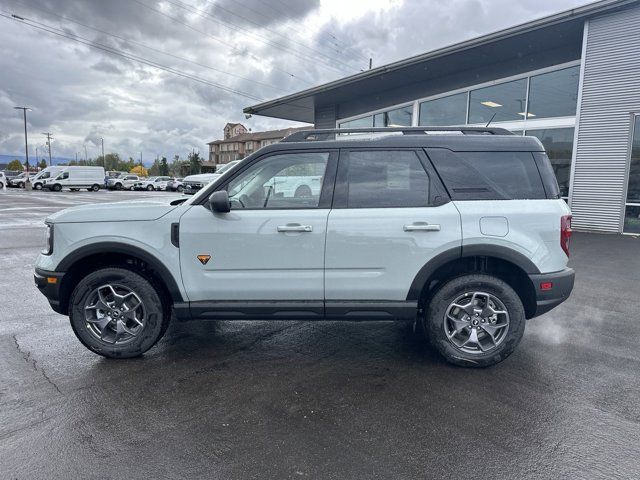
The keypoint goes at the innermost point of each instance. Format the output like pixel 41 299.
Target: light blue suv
pixel 464 233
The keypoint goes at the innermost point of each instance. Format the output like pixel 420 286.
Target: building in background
pixel 241 143
pixel 571 79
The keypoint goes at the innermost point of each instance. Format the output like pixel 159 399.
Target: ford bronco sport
pixel 460 229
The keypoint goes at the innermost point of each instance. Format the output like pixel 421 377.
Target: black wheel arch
pixel 502 262
pixel 84 260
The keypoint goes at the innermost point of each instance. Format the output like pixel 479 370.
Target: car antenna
pixel 491 119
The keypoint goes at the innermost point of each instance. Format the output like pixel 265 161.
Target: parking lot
pixel 317 400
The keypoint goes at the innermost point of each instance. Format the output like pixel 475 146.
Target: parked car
pixel 175 185
pixel 75 177
pixel 122 182
pixel 193 183
pixel 37 181
pixel 152 183
pixel 463 234
pixel 3 180
pixel 18 180
pixel 11 174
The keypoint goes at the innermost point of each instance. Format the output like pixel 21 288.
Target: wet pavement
pixel 326 399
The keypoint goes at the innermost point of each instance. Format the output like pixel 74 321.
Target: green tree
pixel 155 168
pixel 42 164
pixel 195 163
pixel 15 165
pixel 164 166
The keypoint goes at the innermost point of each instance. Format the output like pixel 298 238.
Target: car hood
pixel 133 210
pixel 202 177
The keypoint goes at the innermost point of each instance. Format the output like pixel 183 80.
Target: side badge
pixel 204 259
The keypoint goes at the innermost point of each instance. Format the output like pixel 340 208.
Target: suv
pixel 152 183
pixel 464 233
pixel 123 181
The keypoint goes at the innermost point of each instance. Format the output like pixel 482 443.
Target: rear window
pixel 488 175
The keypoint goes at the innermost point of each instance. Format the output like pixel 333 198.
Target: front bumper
pixel 49 285
pixel 552 289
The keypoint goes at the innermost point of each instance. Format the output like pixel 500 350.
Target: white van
pixel 74 178
pixel 37 181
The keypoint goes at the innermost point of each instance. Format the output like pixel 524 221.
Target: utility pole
pixel 370 63
pixel 104 164
pixel 86 159
pixel 76 158
pixel 49 137
pixel 37 158
pixel 141 160
pixel 27 182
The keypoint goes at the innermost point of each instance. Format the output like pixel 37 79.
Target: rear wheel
pixel 57 187
pixel 149 187
pixel 475 320
pixel 118 186
pixel 180 188
pixel 117 313
pixel 95 187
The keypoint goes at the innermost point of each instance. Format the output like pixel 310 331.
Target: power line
pixel 114 51
pixel 233 48
pixel 264 40
pixel 333 39
pixel 220 7
pixel 150 48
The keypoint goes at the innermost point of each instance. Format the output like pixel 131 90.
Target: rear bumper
pixel 49 285
pixel 552 289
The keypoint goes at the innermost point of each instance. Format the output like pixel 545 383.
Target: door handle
pixel 295 227
pixel 422 227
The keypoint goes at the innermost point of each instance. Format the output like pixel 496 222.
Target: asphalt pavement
pixel 326 400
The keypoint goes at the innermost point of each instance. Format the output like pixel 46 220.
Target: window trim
pixel 437 193
pixel 326 192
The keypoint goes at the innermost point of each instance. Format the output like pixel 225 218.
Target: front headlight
pixel 48 240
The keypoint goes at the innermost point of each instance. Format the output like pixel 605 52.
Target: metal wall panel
pixel 609 93
pixel 325 116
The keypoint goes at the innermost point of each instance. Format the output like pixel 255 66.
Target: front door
pixel 270 246
pixel 390 217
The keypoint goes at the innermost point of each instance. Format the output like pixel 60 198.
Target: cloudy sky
pixel 221 56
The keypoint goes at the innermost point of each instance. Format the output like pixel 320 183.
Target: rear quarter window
pixel 488 175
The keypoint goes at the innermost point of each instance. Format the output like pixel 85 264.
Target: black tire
pixel 434 321
pixel 180 188
pixel 157 317
pixel 118 186
pixel 150 188
pixel 95 187
pixel 57 187
pixel 38 186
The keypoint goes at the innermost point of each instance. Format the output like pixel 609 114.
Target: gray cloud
pixel 81 94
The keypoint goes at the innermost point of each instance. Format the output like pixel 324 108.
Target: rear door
pixel 390 216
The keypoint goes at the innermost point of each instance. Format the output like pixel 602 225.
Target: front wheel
pixel 475 320
pixel 149 188
pixel 180 188
pixel 38 186
pixel 117 313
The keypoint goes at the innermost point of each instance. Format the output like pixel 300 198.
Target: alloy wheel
pixel 476 322
pixel 114 314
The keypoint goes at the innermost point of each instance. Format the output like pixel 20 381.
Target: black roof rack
pixel 330 133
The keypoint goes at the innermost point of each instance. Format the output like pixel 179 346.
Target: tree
pixel 195 163
pixel 155 168
pixel 139 170
pixel 164 167
pixel 15 165
pixel 42 164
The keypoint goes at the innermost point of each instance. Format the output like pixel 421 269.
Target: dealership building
pixel 571 79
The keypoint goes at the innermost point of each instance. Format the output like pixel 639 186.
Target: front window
pixel 284 181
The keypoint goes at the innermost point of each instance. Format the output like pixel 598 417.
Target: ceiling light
pixel 489 103
pixel 528 115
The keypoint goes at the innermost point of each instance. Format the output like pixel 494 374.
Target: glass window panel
pixel 281 181
pixel 633 192
pixel 558 143
pixel 451 110
pixel 378 179
pixel 400 117
pixel 554 94
pixel 506 101
pixel 363 122
pixel 632 219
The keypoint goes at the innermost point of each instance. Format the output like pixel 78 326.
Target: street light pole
pixel 104 164
pixel 86 159
pixel 27 182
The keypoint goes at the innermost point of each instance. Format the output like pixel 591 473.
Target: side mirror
pixel 219 202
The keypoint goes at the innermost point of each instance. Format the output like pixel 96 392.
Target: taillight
pixel 565 232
